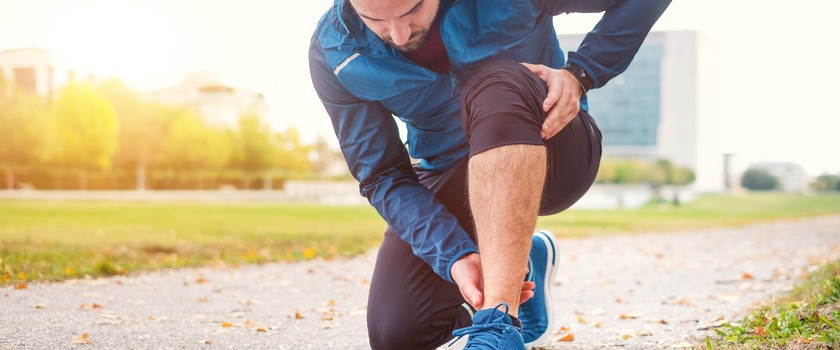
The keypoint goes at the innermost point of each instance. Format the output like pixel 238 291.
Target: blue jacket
pixel 363 83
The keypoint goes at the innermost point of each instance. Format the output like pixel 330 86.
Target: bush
pixel 755 179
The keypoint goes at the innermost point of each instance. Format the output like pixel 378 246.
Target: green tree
pixel 23 125
pixel 292 154
pixel 193 147
pixel 756 179
pixel 254 148
pixel 826 182
pixel 140 125
pixel 86 127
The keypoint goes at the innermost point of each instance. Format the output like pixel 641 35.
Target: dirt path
pixel 649 291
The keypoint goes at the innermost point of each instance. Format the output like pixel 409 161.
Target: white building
pixel 220 105
pixel 37 70
pixel 664 105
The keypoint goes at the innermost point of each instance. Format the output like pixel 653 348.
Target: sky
pixel 777 60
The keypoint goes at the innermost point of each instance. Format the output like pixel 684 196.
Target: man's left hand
pixel 562 102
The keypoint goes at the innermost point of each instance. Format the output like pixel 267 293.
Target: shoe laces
pixel 496 328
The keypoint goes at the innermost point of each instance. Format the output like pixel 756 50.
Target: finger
pixel 525 295
pixel 529 285
pixel 555 91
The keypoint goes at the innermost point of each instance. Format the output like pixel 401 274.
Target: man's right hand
pixel 466 272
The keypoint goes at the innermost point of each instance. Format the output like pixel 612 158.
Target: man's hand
pixel 466 272
pixel 563 100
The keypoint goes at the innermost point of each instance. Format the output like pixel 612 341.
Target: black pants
pixel 411 307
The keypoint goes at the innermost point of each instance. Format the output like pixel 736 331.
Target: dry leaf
pixel 83 339
pixel 807 340
pixel 298 315
pixel 110 319
pixel 39 306
pixel 227 324
pixel 21 276
pixel 330 302
pixel 629 316
pixel 747 276
pixel 567 337
pixel 309 253
pixel 205 341
pixel 619 300
pixel 91 306
pixel 20 286
pixel 627 334
pixel 760 331
pixel 326 318
pixel 203 299
pixel 255 326
pixel 200 280
pixel 720 318
pixel 581 320
pixel 595 324
pixel 563 329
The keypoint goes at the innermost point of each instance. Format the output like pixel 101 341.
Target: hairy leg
pixel 505 184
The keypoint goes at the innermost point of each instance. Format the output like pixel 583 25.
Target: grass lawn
pixel 41 240
pixel 807 318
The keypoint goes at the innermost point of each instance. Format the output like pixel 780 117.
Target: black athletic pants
pixel 411 307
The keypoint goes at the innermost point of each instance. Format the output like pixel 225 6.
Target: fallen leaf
pixel 580 319
pixel 200 280
pixel 83 339
pixel 39 306
pixel 627 334
pixel 330 302
pixel 567 337
pixel 205 342
pixel 326 318
pixel 203 299
pixel 237 314
pixel 91 306
pixel 595 324
pixel 69 271
pixel 365 281
pixel 309 253
pixel 720 318
pixel 227 324
pixel 747 276
pixel 563 329
pixel 255 326
pixel 760 331
pixel 807 340
pixel 619 300
pixel 110 319
pixel 20 286
pixel 628 316
pixel 21 276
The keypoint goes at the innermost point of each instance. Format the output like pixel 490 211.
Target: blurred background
pixel 212 94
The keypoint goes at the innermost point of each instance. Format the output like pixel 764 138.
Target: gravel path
pixel 643 291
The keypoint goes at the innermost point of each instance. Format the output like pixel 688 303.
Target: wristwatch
pixel 583 78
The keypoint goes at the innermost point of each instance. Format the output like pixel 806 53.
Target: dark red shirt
pixel 432 54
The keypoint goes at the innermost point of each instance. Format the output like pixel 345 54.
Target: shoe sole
pixel 551 272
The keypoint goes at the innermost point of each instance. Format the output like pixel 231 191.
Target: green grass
pixel 705 211
pixel 48 241
pixel 807 318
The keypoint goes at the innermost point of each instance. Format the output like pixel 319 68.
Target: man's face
pixel 403 24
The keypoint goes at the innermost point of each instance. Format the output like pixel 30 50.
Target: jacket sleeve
pixel 368 137
pixel 607 50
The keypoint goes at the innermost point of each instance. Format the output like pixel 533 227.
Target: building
pixel 37 70
pixel 662 106
pixel 220 105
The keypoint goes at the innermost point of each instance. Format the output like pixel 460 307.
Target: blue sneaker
pixel 492 329
pixel 536 314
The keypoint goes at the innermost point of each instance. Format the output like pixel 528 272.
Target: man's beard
pixel 416 41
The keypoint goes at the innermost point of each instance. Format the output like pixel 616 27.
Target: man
pixel 498 122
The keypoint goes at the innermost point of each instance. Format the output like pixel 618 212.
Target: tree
pixel 253 148
pixel 86 128
pixel 140 125
pixel 756 179
pixel 193 147
pixel 826 182
pixel 23 125
pixel 292 154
